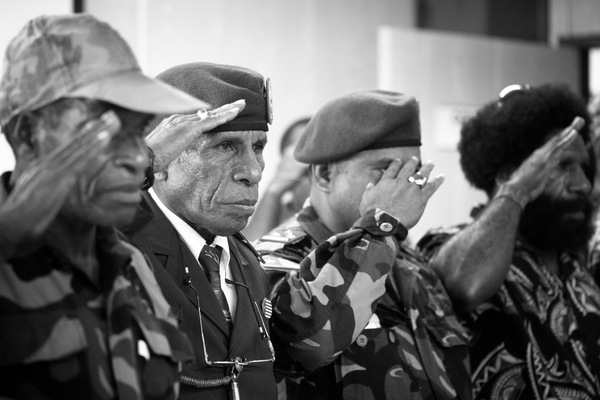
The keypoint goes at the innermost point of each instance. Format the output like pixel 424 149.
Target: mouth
pixel 130 193
pixel 577 214
pixel 245 205
pixel 248 202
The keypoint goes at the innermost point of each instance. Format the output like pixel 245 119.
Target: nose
pixel 249 169
pixel 133 157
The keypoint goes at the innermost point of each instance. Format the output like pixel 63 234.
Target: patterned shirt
pixel 63 336
pixel 539 336
pixel 360 316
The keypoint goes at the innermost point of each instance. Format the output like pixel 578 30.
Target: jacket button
pixel 386 227
pixel 361 340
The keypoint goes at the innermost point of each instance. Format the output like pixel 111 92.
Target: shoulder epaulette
pixel 283 248
pixel 280 237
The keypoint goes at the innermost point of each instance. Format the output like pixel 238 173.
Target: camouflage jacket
pixel 539 336
pixel 64 337
pixel 361 317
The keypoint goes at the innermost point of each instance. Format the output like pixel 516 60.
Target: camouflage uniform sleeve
pixel 321 308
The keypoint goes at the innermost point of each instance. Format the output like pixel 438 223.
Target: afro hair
pixel 503 133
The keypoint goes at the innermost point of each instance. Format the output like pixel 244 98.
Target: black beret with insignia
pixel 220 84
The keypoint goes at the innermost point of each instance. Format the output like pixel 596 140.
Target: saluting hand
pixel 395 194
pixel 176 132
pixel 528 181
pixel 41 189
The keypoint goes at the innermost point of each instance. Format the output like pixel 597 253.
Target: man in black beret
pixel 361 316
pixel 521 265
pixel 189 227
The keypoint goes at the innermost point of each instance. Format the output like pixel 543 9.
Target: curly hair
pixel 503 133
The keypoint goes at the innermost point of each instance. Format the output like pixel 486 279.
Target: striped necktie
pixel 209 259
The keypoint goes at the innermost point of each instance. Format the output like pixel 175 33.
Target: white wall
pixel 595 72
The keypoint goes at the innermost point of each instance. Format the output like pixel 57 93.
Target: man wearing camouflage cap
pixel 199 204
pixel 361 316
pixel 81 315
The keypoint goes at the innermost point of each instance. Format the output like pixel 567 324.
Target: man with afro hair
pixel 519 268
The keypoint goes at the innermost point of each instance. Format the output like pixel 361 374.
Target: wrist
pixel 515 195
pixel 381 223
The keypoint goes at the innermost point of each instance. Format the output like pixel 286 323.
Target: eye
pixel 568 164
pixel 258 147
pixel 225 146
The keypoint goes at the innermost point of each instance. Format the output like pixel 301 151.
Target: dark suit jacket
pixel 157 238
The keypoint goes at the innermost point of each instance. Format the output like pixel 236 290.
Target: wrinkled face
pixel 213 185
pixel 562 217
pixel 107 193
pixel 350 177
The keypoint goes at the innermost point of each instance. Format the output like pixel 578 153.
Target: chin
pixel 229 228
pixel 118 219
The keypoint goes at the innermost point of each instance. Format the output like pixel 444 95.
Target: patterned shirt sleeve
pixel 322 307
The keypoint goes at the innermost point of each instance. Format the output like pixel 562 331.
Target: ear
pixel 321 175
pixel 161 176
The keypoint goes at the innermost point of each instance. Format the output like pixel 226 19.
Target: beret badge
pixel 268 95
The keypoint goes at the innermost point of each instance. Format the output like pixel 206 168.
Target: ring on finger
pixel 203 114
pixel 418 179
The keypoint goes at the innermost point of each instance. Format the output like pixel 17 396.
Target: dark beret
pixel 219 84
pixel 362 120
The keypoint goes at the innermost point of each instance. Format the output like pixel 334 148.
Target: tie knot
pixel 210 257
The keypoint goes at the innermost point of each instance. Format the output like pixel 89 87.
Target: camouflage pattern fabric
pixel 63 337
pixel 539 336
pixel 358 316
pixel 53 55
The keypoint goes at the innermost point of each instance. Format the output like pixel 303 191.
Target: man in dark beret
pixel 359 313
pixel 520 265
pixel 189 227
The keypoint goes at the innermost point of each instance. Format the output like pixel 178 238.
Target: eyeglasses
pixel 238 363
pixel 511 91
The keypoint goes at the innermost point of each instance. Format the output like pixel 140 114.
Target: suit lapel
pixel 164 241
pixel 245 324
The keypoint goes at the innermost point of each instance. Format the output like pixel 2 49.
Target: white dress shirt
pixel 195 243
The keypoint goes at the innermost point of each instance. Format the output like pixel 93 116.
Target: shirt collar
pixel 310 223
pixel 194 241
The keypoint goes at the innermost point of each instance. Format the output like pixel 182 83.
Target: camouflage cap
pixel 78 56
pixel 357 121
